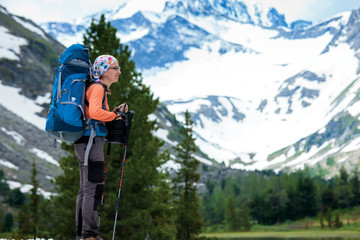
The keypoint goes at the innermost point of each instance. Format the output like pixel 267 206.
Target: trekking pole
pixel 118 200
pixel 120 135
pixel 105 172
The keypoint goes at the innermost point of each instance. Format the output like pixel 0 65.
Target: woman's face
pixel 112 74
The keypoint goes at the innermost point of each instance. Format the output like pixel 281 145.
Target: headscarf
pixel 101 65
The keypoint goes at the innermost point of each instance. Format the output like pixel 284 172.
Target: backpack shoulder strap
pixel 88 84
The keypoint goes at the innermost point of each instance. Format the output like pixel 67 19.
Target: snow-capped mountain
pixel 264 93
pixel 290 103
pixel 181 25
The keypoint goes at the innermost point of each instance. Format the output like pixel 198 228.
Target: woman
pixel 89 149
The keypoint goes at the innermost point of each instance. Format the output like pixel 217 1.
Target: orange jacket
pixel 94 95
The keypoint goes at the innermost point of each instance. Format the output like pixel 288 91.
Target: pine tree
pixel 232 220
pixel 101 38
pixel 62 205
pixel 8 222
pixel 245 218
pixel 327 198
pixel 355 188
pixel 306 197
pixel 4 186
pixel 258 208
pixel 29 214
pixel 34 200
pixel 2 215
pixel 217 205
pixel 329 217
pixel 338 222
pixel 16 198
pixel 24 216
pixel 189 221
pixel 342 188
pixel 144 208
pixel 321 219
pixel 277 198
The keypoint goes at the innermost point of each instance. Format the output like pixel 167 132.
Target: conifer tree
pixel 29 214
pixel 232 220
pixel 338 222
pixel 145 200
pixel 188 218
pixel 16 198
pixel 327 198
pixel 329 217
pixel 24 219
pixel 8 222
pixel 306 197
pixel 144 209
pixel 321 219
pixel 217 205
pixel 2 215
pixel 245 218
pixel 62 206
pixel 355 188
pixel 342 188
pixel 4 186
pixel 34 200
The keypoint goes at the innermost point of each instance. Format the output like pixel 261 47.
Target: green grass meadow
pixel 299 234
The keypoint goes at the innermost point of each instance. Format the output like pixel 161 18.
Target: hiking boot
pixel 94 238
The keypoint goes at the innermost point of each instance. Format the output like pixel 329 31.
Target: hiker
pixel 106 71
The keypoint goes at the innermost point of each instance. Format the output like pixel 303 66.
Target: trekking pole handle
pixel 121 113
pixel 123 109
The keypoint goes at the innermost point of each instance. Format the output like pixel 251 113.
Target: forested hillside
pixel 263 197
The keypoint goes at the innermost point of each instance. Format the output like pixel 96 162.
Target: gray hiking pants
pixel 91 187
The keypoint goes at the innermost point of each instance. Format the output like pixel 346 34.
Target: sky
pixel 59 10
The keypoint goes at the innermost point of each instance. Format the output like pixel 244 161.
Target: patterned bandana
pixel 101 64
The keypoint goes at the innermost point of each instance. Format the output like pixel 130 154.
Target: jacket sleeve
pixel 95 95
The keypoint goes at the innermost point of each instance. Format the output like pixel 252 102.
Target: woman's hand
pixel 122 108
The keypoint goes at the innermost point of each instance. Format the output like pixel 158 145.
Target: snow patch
pixel 26 188
pixel 50 178
pixel 322 130
pixel 354 109
pixel 30 27
pixel 139 33
pixel 171 164
pixel 8 164
pixel 291 152
pixel 19 139
pixel 279 159
pixel 354 145
pixel 342 159
pixel 203 160
pixel 21 105
pixel 10 45
pixel 43 155
pixel 43 99
pixel 162 134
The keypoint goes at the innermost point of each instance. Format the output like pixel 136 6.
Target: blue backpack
pixel 66 118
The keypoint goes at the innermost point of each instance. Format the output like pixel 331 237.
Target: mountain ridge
pixel 256 92
pixel 27 58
